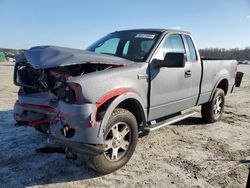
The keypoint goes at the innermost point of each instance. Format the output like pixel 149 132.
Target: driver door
pixel 171 88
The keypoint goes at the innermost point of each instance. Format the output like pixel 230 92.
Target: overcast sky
pixel 78 23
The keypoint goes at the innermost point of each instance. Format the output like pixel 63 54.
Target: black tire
pixel 208 111
pixel 104 163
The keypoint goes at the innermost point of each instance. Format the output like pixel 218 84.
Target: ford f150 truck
pixel 96 101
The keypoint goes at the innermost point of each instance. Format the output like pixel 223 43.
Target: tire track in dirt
pixel 234 118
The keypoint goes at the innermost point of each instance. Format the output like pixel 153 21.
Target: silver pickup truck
pixel 96 101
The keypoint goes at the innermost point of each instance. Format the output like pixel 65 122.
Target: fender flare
pixel 115 103
pixel 216 85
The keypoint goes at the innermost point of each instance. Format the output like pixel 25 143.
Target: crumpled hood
pixel 53 56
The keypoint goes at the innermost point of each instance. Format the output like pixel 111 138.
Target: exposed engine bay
pixel 34 80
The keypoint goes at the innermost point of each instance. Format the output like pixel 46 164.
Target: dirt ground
pixel 186 154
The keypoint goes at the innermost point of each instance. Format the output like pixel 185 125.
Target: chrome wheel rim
pixel 218 106
pixel 117 141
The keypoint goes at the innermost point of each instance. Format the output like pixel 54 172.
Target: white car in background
pixel 11 59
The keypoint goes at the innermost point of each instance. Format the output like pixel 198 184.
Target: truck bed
pixel 213 70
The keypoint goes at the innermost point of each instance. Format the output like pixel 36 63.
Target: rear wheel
pixel 120 139
pixel 212 111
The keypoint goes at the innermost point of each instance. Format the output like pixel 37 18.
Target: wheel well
pixel 134 107
pixel 131 105
pixel 102 109
pixel 223 85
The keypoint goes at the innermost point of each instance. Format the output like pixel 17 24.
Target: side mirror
pixel 172 59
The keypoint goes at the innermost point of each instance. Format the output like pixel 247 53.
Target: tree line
pixel 235 53
pixel 10 52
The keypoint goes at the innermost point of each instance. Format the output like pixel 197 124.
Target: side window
pixel 172 43
pixel 192 51
pixel 108 47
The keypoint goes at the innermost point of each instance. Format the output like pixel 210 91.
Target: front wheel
pixel 212 111
pixel 120 139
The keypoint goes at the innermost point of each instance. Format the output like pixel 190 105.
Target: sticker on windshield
pixel 145 36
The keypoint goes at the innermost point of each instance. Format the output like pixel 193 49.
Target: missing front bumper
pixel 29 111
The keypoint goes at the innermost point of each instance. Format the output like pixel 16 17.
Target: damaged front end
pixel 50 102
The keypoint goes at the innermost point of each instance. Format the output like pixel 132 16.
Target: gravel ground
pixel 186 154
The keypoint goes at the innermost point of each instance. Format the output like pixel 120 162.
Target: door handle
pixel 187 73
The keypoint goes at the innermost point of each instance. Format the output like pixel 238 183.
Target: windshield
pixel 132 45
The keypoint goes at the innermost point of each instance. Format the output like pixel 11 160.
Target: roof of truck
pixel 156 30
